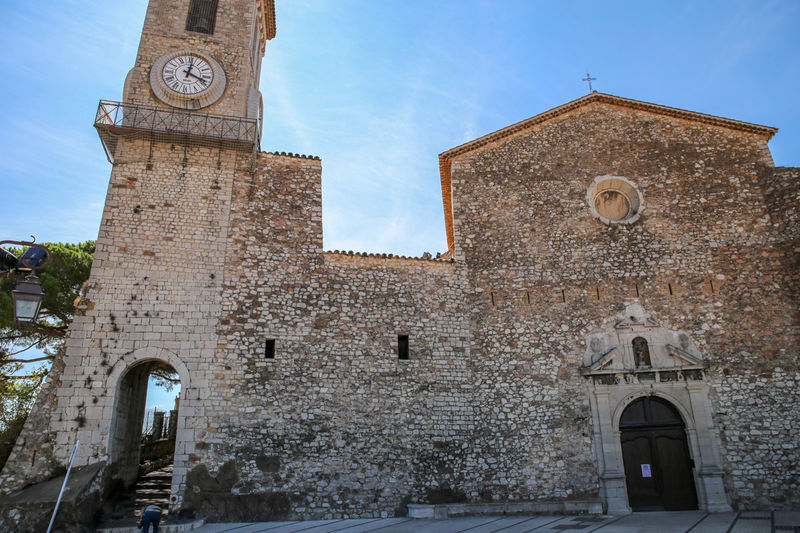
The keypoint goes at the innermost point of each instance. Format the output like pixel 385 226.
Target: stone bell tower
pixel 187 130
pixel 202 55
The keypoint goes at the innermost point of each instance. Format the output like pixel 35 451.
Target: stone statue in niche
pixel 595 345
pixel 641 353
pixel 684 340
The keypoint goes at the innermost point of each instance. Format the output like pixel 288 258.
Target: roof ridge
pixel 595 96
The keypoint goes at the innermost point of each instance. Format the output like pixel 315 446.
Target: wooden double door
pixel 658 468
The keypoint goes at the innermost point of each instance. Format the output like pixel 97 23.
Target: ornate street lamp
pixel 28 295
pixel 28 298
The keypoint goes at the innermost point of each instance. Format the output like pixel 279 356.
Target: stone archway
pixel 617 374
pixel 128 380
pixel 129 410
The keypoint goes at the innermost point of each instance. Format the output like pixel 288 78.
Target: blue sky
pixel 378 88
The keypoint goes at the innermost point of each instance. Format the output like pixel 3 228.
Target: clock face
pixel 187 74
pixel 187 79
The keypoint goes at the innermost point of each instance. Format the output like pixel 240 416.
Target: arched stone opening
pixel 658 467
pixel 127 447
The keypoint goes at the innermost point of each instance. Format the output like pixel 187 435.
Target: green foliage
pixel 8 436
pixel 61 282
pixel 19 383
pixel 16 400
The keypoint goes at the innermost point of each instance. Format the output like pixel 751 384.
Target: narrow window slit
pixel 669 285
pixel 269 349
pixel 402 347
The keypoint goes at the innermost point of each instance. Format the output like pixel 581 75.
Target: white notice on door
pixel 646 471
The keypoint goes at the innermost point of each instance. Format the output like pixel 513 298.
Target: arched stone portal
pixel 618 376
pixel 129 410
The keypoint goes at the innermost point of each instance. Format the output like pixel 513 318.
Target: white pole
pixel 63 486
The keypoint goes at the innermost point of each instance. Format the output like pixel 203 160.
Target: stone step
pixel 151 489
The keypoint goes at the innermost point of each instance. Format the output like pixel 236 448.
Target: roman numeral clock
pixel 187 79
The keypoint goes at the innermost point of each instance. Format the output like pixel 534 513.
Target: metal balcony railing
pixel 115 120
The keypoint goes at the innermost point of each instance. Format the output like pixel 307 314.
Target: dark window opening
pixel 202 16
pixel 269 349
pixel 402 346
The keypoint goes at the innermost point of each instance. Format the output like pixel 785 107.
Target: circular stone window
pixel 614 200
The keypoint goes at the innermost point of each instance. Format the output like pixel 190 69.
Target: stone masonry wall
pixel 335 424
pixel 759 384
pixel 781 188
pixel 543 273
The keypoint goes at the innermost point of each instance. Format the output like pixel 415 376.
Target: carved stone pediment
pixel 635 348
pixel 604 362
pixel 684 358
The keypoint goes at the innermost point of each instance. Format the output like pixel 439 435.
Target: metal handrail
pixel 116 119
pixel 172 121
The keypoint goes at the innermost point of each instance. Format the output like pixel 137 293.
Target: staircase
pixel 150 489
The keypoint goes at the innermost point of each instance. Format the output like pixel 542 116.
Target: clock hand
pixel 189 73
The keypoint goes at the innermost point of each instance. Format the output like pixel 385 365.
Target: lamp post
pixel 28 294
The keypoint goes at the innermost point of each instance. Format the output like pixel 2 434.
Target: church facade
pixel 615 320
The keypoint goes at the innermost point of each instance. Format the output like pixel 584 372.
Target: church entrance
pixel 658 468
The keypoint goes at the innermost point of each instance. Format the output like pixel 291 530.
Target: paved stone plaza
pixel 672 522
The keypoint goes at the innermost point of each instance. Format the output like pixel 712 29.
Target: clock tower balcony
pixel 115 120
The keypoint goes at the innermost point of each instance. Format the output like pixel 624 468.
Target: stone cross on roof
pixel 590 80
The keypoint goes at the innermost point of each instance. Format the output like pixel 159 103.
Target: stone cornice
pixel 266 22
pixel 293 155
pixel 445 158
